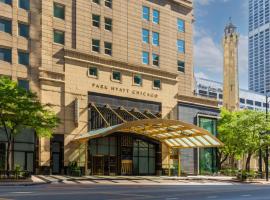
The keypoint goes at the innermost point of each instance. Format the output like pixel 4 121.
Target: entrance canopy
pixel 176 134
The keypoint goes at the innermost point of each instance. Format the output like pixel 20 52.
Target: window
pixel 145 35
pixel 156 16
pixel 59 11
pixel 108 3
pixel 137 79
pixel 181 66
pixel 23 30
pixel 242 100
pixel 156 84
pixel 108 48
pixel 116 76
pixel 23 84
pixel 257 103
pixel 155 59
pixel 250 102
pixel 5 25
pixel 146 13
pixel 155 38
pixel 5 55
pixel 95 45
pixel 181 46
pixel 145 57
pixel 59 37
pixel 108 24
pixel 96 20
pixel 181 25
pixel 23 58
pixel 93 71
pixel 6 1
pixel 24 4
pixel 96 1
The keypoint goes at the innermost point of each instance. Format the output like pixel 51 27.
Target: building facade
pixel 101 63
pixel 214 90
pixel 259 47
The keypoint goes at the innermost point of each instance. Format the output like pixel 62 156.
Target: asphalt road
pixel 136 192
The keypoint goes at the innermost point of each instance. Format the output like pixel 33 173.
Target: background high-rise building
pixel 259 46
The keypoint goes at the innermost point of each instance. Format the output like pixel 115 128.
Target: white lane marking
pixel 245 195
pixel 212 197
pixel 21 192
pixel 172 198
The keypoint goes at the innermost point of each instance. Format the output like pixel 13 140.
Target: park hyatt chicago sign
pixel 124 90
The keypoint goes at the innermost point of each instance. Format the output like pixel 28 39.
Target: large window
pixel 5 25
pixel 146 13
pixel 181 66
pixel 59 11
pixel 95 45
pixel 156 16
pixel 181 46
pixel 23 58
pixel 22 83
pixel 23 30
pixel 145 35
pixel 59 37
pixel 24 4
pixel 137 79
pixel 181 25
pixel 96 20
pixel 157 84
pixel 96 1
pixel 155 38
pixel 145 57
pixel 108 3
pixel 208 162
pixel 93 72
pixel 5 55
pixel 155 59
pixel 116 76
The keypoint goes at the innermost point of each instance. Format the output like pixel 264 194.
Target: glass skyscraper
pixel 259 46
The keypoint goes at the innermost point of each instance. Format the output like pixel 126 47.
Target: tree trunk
pixel 8 158
pixel 248 162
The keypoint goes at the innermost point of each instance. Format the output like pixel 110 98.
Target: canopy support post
pixel 179 162
pixel 86 159
pixel 169 161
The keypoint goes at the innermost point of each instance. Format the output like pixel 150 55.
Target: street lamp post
pixel 266 150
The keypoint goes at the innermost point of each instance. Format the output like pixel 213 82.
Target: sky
pixel 211 16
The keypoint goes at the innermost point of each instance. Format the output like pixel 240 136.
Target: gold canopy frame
pixel 174 133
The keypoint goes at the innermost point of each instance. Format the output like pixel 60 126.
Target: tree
pixel 242 133
pixel 21 109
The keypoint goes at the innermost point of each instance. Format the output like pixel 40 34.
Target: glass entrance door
pixel 56 157
pixel 98 165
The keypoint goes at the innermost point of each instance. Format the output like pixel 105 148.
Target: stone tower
pixel 230 68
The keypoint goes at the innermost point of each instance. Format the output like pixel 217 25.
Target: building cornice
pixel 84 57
pixel 198 101
pixel 185 3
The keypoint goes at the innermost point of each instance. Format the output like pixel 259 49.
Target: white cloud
pixel 201 75
pixel 207 2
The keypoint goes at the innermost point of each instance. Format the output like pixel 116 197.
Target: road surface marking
pixel 21 192
pixel 212 197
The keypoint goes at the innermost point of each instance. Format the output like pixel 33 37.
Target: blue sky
pixel 211 16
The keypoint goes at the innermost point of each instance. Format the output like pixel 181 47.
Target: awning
pixel 174 133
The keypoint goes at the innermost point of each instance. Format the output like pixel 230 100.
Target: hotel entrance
pixel 121 154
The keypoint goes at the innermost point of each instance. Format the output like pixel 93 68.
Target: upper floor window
pixel 96 20
pixel 181 66
pixel 145 57
pixel 24 4
pixel 155 38
pixel 59 11
pixel 95 45
pixel 59 37
pixel 181 46
pixel 96 1
pixel 116 76
pixel 6 1
pixel 108 24
pixel 5 25
pixel 242 100
pixel 5 55
pixel 156 16
pixel 23 30
pixel 23 58
pixel 155 59
pixel 146 13
pixel 156 84
pixel 108 48
pixel 22 83
pixel 181 25
pixel 137 79
pixel 93 72
pixel 145 35
pixel 108 3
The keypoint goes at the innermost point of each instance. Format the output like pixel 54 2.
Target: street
pixel 143 192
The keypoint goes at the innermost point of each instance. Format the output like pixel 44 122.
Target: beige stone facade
pixel 59 73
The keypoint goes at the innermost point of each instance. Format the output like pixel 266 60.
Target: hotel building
pixel 119 74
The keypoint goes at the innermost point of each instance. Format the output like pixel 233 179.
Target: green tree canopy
pixel 21 109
